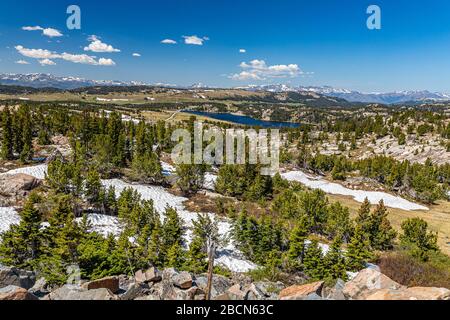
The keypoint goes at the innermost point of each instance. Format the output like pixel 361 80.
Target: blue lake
pixel 244 120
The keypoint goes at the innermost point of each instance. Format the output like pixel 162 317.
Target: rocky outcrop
pixel 15 293
pixel 16 277
pixel 366 282
pixel 170 284
pixel 150 275
pixel 110 283
pixel 302 292
pixel 413 293
pixel 71 292
pixel 15 187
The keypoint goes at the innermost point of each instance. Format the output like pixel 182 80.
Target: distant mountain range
pixel 42 80
pixel 356 96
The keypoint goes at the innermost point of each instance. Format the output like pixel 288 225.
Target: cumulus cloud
pixel 29 28
pixel 168 41
pixel 49 32
pixel 259 70
pixel 43 54
pixel 136 54
pixel 22 62
pixel 194 40
pixel 47 62
pixel 97 45
pixel 242 51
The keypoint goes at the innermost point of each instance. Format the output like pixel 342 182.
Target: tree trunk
pixel 211 255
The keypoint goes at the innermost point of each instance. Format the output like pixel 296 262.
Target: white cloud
pixel 259 70
pixel 97 45
pixel 36 53
pixel 194 40
pixel 49 32
pixel 136 54
pixel 29 28
pixel 22 62
pixel 47 62
pixel 44 54
pixel 168 41
pixel 242 51
pixel 106 62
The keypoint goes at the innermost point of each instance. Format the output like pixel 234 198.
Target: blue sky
pixel 321 42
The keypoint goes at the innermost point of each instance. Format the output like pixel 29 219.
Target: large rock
pixel 71 292
pixel 301 292
pixel 269 289
pixel 16 277
pixel 136 290
pixel 110 283
pixel 182 280
pixel 16 293
pixel 236 293
pixel 40 288
pixel 18 184
pixel 150 275
pixel 414 293
pixel 220 284
pixel 368 281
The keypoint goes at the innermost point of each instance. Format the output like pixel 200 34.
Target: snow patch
pixel 359 195
pixel 8 217
pixel 38 171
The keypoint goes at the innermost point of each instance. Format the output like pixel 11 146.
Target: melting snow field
pixel 229 256
pixel 8 216
pixel 38 171
pixel 358 195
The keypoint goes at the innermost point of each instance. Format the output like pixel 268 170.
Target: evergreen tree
pixel 338 222
pixel 21 245
pixel 363 217
pixel 335 265
pixel 172 233
pixel 191 177
pixel 313 263
pixel 296 249
pixel 7 138
pixel 381 234
pixel 417 238
pixel 358 250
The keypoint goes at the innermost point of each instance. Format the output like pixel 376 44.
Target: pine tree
pixel 93 186
pixel 172 233
pixel 335 265
pixel 418 239
pixel 191 177
pixel 297 239
pixel 358 250
pixel 27 134
pixel 363 218
pixel 7 138
pixel 338 222
pixel 21 245
pixel 381 234
pixel 313 263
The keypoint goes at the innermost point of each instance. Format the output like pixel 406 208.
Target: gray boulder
pixel 182 280
pixel 17 277
pixel 71 292
pixel 220 284
pixel 15 293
